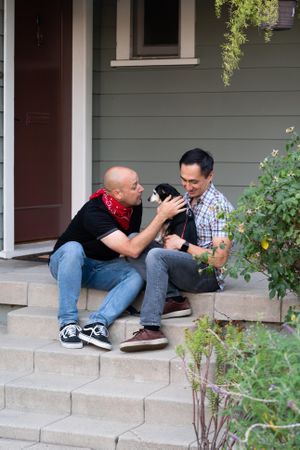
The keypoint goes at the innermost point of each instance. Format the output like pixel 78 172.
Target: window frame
pixel 186 44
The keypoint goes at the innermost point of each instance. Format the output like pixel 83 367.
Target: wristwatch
pixel 185 246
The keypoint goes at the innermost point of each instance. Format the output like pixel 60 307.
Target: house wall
pixel 147 117
pixel 1 121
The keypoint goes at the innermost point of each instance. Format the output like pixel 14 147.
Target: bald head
pixel 116 177
pixel 123 184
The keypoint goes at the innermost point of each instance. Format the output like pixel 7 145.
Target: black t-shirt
pixel 92 223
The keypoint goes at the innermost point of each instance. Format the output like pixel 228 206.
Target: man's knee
pixel 72 251
pixel 154 255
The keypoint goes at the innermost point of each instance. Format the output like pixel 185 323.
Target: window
pixel 155 27
pixel 155 32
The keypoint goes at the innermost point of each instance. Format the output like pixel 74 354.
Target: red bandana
pixel 120 212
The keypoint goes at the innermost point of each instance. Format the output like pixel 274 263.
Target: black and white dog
pixel 183 224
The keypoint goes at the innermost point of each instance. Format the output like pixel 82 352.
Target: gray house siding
pixel 1 122
pixel 147 117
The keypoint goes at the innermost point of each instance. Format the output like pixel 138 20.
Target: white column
pixel 82 102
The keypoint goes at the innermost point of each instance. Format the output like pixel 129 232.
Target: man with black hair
pixel 172 268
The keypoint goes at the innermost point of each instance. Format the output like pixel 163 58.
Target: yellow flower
pixel 293 317
pixel 241 228
pixel 265 244
pixel 272 425
pixel 289 130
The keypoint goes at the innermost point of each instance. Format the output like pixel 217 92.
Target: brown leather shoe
pixel 176 309
pixel 144 340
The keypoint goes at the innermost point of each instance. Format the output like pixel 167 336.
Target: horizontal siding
pixel 235 127
pixel 225 150
pixel 197 104
pixel 146 117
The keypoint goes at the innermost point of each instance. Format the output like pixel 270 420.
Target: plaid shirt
pixel 207 223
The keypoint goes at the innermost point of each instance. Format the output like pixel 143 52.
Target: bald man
pixel 88 253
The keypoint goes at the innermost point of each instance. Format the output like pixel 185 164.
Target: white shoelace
pixel 100 330
pixel 70 331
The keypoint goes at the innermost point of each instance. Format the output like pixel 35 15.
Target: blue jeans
pixel 166 271
pixel 73 270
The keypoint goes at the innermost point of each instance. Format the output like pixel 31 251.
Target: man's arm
pixel 119 242
pixel 217 258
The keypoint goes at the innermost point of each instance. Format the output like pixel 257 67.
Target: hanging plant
pixel 242 15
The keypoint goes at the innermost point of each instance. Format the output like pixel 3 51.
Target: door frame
pixel 81 154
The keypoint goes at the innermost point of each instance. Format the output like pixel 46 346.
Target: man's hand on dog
pixel 170 207
pixel 173 242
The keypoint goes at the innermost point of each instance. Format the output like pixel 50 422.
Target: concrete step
pixel 16 424
pixel 35 321
pixel 113 399
pixel 106 398
pixel 16 444
pixel 17 353
pixel 171 405
pixel 22 355
pixel 158 437
pixel 26 429
pixel 85 431
pixel 43 392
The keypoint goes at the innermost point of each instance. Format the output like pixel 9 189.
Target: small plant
pixel 207 354
pixel 242 15
pixel 251 379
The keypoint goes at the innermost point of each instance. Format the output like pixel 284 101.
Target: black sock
pixel 178 299
pixel 151 327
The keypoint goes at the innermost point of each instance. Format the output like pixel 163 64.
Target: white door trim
pixel 82 102
pixel 8 129
pixel 81 120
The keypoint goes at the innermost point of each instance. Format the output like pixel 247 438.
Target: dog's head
pixel 162 191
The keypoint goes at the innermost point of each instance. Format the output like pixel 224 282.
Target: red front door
pixel 43 74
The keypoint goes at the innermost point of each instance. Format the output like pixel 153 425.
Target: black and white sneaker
pixel 97 334
pixel 68 336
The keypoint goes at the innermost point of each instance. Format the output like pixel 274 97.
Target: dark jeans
pixel 166 271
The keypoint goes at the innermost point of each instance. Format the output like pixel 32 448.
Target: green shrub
pixel 265 226
pixel 251 379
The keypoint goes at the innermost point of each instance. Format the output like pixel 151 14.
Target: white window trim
pixel 186 39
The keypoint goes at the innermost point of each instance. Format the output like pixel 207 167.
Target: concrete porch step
pixel 43 392
pixel 36 322
pixel 158 437
pixel 21 355
pixel 49 432
pixel 105 398
pixel 31 284
pixel 16 444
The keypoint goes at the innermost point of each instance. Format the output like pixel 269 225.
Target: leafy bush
pixel 268 412
pixel 265 226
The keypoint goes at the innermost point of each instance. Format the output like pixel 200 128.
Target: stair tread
pixel 158 436
pixel 49 382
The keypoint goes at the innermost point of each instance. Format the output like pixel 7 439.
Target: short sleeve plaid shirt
pixel 207 223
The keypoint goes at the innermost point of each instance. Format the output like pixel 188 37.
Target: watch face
pixel 185 247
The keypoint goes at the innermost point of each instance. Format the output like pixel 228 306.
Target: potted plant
pixel 268 15
pixel 286 14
